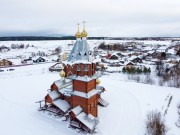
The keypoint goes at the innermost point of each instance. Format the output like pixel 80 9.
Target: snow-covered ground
pixel 126 114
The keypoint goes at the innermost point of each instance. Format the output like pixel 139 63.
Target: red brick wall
pixel 93 105
pixel 79 86
pixel 80 101
pixel 91 85
pixel 54 87
pixel 68 99
pixel 48 99
pixel 89 105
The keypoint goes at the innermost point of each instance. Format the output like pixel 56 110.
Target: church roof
pixel 80 51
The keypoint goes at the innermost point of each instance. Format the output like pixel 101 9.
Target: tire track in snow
pixel 123 115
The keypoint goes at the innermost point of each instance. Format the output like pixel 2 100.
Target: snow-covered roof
pixel 150 52
pixel 59 65
pixel 85 95
pixel 147 48
pixel 84 78
pixel 162 48
pixel 77 110
pixel 171 51
pixel 88 120
pixel 80 51
pixel 62 104
pixel 54 94
pixel 62 84
pixel 128 62
pixel 62 53
pixel 66 91
pixel 133 57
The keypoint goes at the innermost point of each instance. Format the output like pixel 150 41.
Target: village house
pixel 129 65
pixel 5 62
pixel 56 67
pixel 27 61
pixel 39 60
pixel 62 56
pixel 135 59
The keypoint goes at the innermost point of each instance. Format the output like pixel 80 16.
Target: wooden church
pixel 77 94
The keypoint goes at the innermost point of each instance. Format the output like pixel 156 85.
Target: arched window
pixel 78 67
pixel 79 53
pixel 85 54
pixel 86 67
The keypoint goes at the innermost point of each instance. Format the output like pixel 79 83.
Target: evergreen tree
pixel 133 70
pixel 128 70
pixel 138 71
pixel 124 70
pixel 145 70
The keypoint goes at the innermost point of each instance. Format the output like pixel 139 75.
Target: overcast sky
pixel 104 17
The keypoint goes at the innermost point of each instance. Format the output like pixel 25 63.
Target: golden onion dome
pixel 78 34
pixel 62 73
pixel 98 81
pixel 84 33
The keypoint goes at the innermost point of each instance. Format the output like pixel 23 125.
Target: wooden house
pixel 39 60
pixel 129 65
pixel 56 67
pixel 137 60
pixel 5 62
pixel 27 61
pixel 178 52
pixel 113 57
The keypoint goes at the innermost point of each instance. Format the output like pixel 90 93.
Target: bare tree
pixel 155 124
pixel 161 82
pixel 149 80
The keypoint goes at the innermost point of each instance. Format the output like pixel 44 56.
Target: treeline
pixel 34 38
pixel 115 46
pixel 134 70
pixel 37 38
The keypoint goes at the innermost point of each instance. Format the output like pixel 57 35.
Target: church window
pixel 86 67
pixel 79 67
pixel 92 66
pixel 85 54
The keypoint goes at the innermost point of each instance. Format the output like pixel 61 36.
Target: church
pixel 77 94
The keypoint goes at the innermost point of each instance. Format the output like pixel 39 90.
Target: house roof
pixel 113 57
pixel 54 94
pixel 84 78
pixel 88 120
pixel 77 110
pixel 85 95
pixel 171 51
pixel 6 60
pixel 62 104
pixel 66 91
pixel 128 63
pixel 62 84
